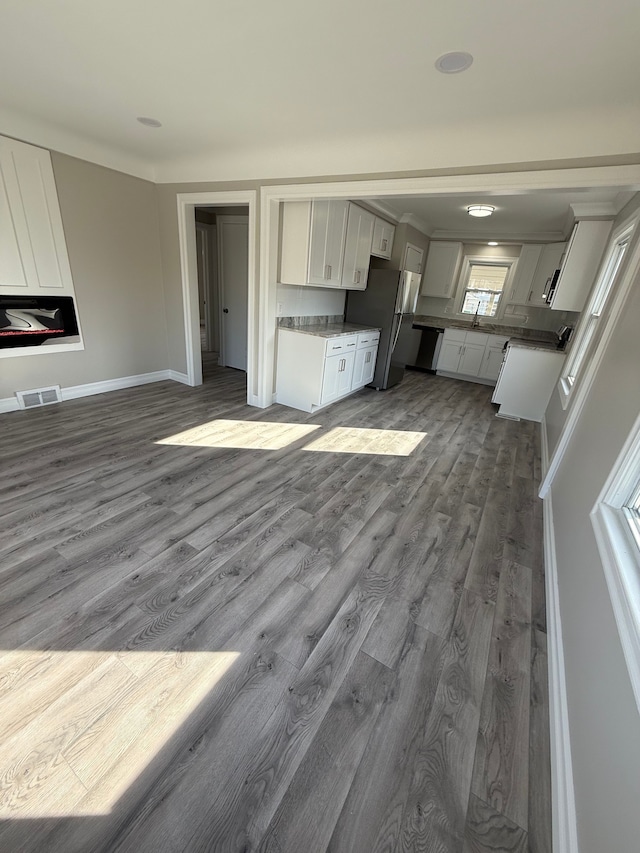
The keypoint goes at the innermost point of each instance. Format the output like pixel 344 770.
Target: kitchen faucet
pixel 475 322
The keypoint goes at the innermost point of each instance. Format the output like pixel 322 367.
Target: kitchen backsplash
pixel 515 315
pixel 309 320
pixel 302 301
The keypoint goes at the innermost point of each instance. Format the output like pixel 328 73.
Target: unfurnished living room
pixel 319 426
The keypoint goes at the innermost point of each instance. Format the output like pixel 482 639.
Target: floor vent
pixel 39 397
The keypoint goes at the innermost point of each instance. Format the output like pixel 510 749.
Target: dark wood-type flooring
pixel 272 647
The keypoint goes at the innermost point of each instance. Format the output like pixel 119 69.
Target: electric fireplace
pixel 27 321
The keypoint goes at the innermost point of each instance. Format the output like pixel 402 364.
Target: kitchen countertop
pixel 331 330
pixel 540 336
pixel 531 343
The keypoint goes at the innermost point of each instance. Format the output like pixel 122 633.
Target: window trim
pixel 619 546
pixel 597 305
pixel 465 272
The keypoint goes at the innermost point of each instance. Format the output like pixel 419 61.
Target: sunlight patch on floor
pixel 78 728
pixel 385 442
pixel 249 435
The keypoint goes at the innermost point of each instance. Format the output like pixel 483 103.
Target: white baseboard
pixel 565 832
pixel 10 404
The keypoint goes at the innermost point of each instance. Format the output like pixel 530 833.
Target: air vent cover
pixel 39 397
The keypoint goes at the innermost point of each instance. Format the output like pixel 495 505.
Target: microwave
pixel 552 284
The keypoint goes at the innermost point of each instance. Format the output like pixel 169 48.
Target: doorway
pixel 239 204
pixel 222 251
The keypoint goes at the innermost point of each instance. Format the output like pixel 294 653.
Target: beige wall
pixel 111 229
pixel 604 723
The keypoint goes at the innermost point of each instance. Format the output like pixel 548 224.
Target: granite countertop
pixel 331 330
pixel 531 343
pixel 540 336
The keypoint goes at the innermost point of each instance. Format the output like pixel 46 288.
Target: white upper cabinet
pixel 33 252
pixel 383 234
pixel 580 264
pixel 442 269
pixel 357 249
pixel 524 273
pixel 313 239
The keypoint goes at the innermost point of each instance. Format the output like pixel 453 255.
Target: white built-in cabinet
pixel 357 248
pixel 413 258
pixel 329 243
pixel 33 252
pixel 383 234
pixel 313 234
pixel 442 269
pixel 580 264
pixel 473 355
pixel 313 371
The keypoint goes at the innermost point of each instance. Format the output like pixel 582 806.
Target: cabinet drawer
pixel 344 343
pixel 368 339
pixel 457 335
pixel 480 338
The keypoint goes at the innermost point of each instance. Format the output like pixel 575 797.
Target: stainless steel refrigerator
pixel 388 303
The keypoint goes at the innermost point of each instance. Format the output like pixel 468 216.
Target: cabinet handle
pixel 327 271
pixel 384 245
pixel 356 277
pixel 368 358
pixel 350 345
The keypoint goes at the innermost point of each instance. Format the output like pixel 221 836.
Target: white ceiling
pixel 540 216
pixel 260 88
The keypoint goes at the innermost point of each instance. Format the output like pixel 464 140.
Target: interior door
pixel 233 266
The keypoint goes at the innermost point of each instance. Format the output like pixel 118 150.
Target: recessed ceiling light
pixel 480 210
pixel 492 243
pixel 149 122
pixel 454 62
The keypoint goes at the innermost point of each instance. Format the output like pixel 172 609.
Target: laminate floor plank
pixel 216 636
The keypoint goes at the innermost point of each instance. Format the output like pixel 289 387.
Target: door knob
pixel 225 310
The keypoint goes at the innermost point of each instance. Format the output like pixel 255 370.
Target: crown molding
pixel 415 222
pixel 592 209
pixel 484 236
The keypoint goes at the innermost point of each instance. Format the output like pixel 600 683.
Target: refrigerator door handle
pixel 395 340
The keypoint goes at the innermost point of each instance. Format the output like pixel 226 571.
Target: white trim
pixel 582 389
pixel 73 392
pixel 563 807
pixel 619 551
pixel 187 203
pixel 497 183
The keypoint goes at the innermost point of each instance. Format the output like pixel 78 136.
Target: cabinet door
pixel 369 368
pixel 491 363
pixel 383 233
pixel 471 359
pixel 338 376
pixel 357 249
pixel 441 273
pixel 364 367
pixel 326 244
pixel 524 273
pixel 450 354
pixel 413 259
pixel 580 266
pixel 549 262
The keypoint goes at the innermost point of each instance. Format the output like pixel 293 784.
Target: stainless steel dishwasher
pixel 428 350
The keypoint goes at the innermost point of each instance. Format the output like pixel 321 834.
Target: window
pixel 616 522
pixel 592 314
pixel 483 288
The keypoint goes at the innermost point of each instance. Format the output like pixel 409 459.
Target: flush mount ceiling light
pixel 454 62
pixel 492 243
pixel 480 210
pixel 149 122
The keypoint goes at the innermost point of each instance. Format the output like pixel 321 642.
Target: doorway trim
pixel 261 371
pixel 187 203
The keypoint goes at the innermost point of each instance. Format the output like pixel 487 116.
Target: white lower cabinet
pixel 527 381
pixel 313 371
pixel 471 354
